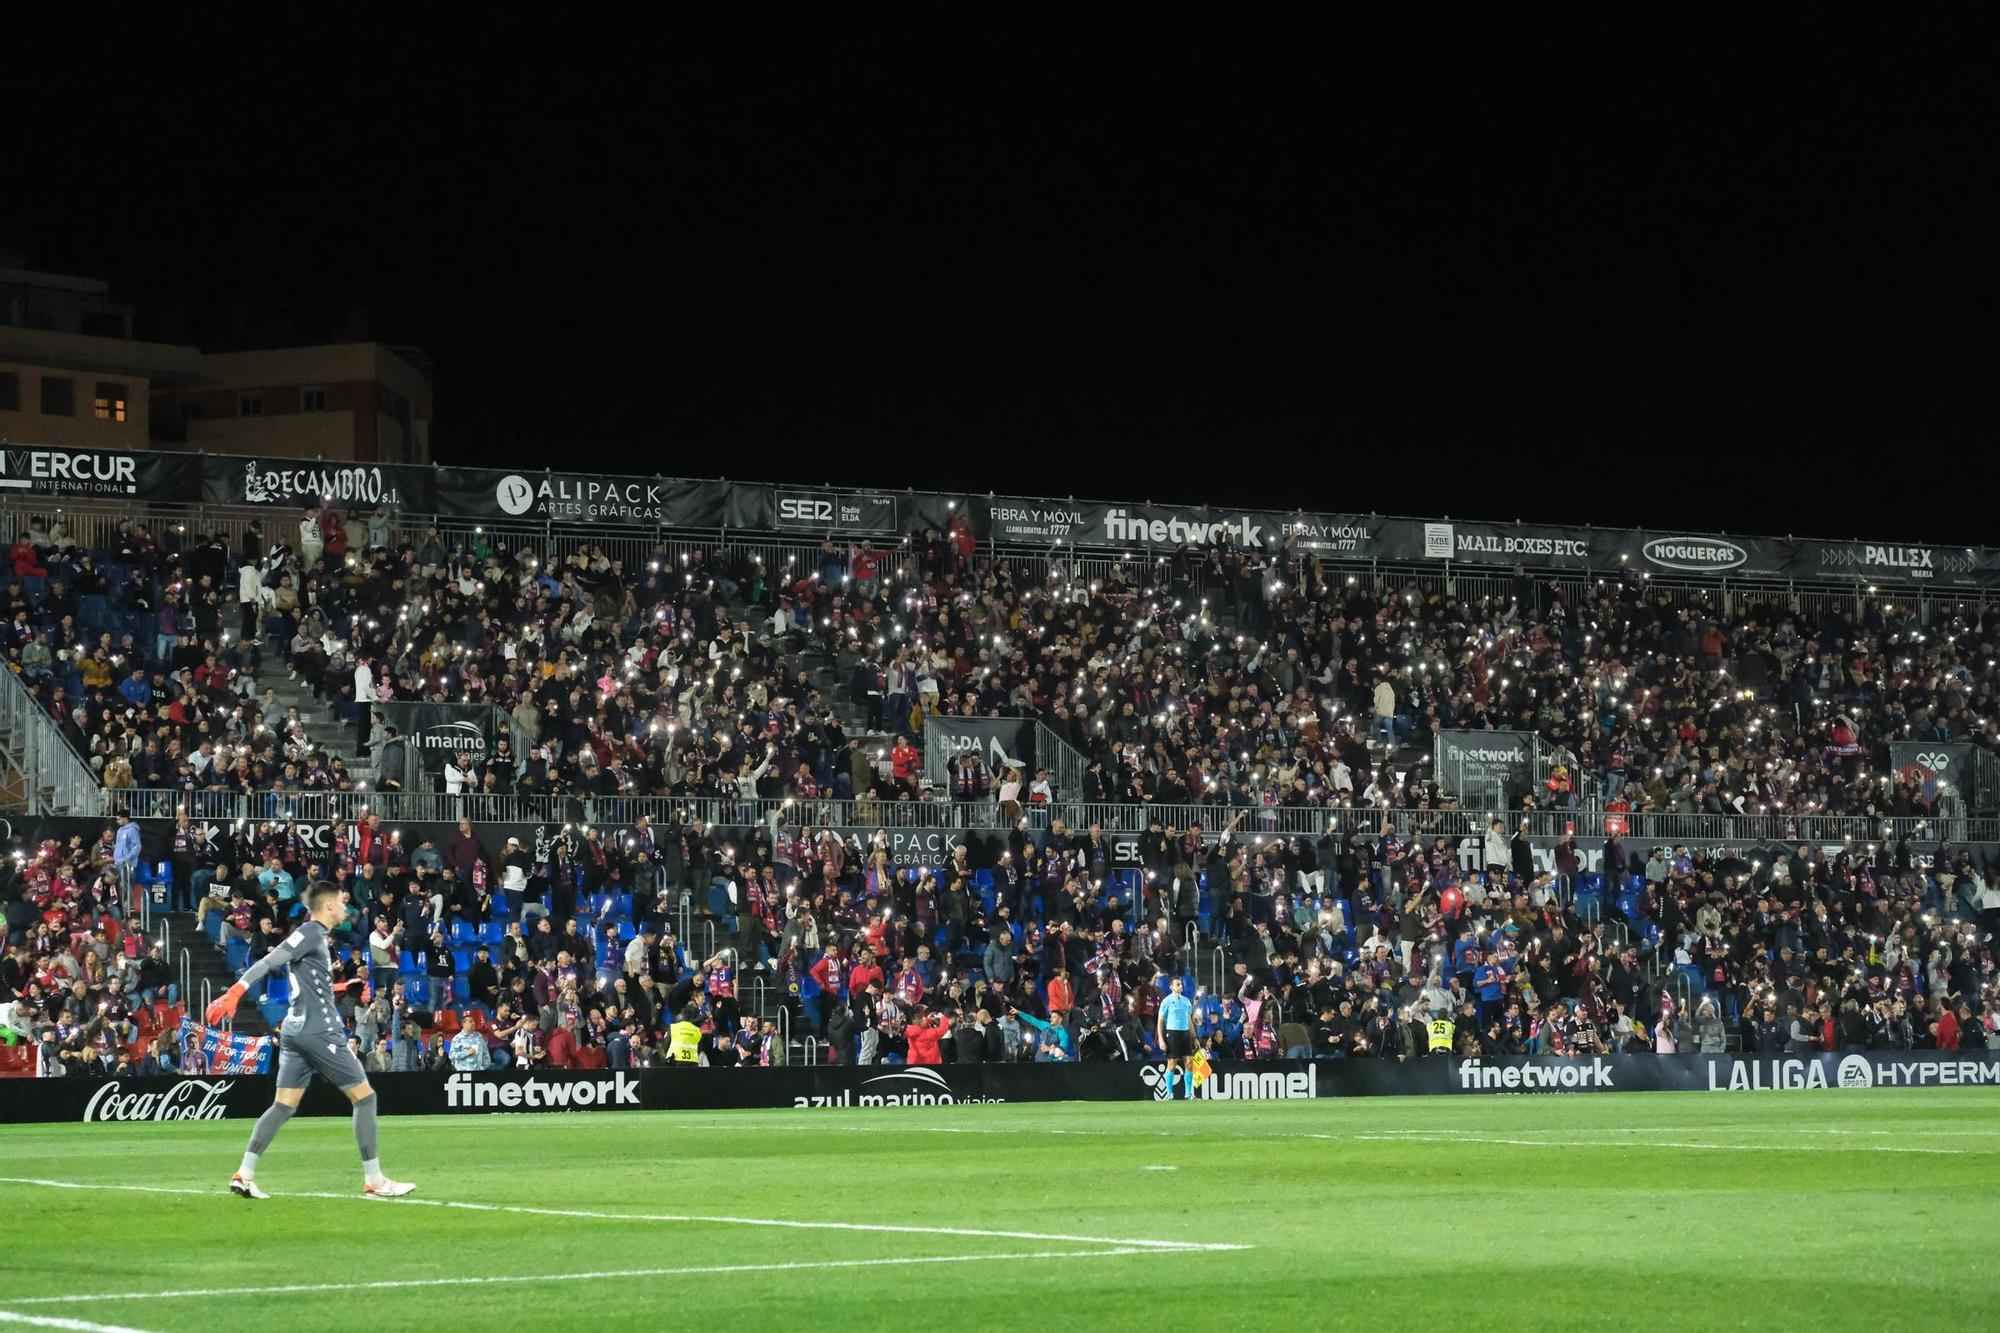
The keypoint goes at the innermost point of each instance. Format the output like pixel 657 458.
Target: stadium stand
pixel 1252 806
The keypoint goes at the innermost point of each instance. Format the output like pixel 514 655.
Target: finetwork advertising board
pixel 828 1087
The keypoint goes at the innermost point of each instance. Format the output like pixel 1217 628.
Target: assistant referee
pixel 1175 1028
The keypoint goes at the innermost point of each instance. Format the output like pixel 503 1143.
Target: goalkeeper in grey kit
pixel 312 1040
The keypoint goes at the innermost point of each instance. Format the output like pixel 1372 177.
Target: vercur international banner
pixel 295 483
pixel 439 732
pixel 112 474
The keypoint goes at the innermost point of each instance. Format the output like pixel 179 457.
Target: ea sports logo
pixel 1856 1072
pixel 515 494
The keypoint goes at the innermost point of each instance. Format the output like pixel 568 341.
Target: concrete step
pixel 206 961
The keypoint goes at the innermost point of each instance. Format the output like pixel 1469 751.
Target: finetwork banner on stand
pixel 997 740
pixel 1161 529
pixel 440 732
pixel 1491 767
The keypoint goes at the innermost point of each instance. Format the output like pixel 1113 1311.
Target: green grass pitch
pixel 1841 1209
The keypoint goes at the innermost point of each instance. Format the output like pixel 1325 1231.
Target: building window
pixel 312 398
pixel 10 391
pixel 58 396
pixel 250 404
pixel 110 402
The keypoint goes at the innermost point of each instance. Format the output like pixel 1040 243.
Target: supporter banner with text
pixel 839 1087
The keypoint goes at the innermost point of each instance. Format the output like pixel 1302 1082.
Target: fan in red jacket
pixel 923 1036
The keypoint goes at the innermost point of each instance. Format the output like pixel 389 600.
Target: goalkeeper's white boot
pixel 243 1187
pixel 386 1188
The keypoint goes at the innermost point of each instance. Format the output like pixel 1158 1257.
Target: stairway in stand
pixel 321 726
pixel 207 962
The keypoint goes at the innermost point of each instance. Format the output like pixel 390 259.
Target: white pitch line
pixel 1638 1143
pixel 594 1215
pixel 396 1284
pixel 56 1321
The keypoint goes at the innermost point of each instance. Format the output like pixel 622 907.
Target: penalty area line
pixel 1622 1145
pixel 398 1284
pixel 57 1321
pixel 793 1224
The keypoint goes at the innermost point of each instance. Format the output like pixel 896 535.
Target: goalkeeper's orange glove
pixel 223 1008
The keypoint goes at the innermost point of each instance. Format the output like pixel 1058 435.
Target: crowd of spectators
pixel 572 955
pixel 80 976
pixel 143 651
pixel 1219 678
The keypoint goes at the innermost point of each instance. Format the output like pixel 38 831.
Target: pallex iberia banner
pixel 835 1087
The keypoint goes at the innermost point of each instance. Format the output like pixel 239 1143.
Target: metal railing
pixel 56 780
pixel 1253 824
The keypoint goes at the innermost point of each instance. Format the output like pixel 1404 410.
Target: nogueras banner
pixel 586 495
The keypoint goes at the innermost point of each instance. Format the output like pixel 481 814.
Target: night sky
pixel 1716 279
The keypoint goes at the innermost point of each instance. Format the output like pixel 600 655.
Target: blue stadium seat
pixel 492 932
pixel 407 962
pixel 237 954
pixel 463 957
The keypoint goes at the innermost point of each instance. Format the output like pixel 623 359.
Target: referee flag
pixel 1198 1066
